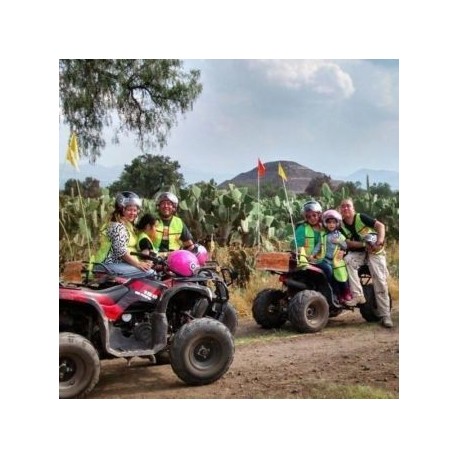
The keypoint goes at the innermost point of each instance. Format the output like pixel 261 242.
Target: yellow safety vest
pixel 361 229
pixel 105 243
pixel 339 268
pixel 175 229
pixel 309 245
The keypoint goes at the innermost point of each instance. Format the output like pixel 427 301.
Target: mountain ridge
pixel 107 175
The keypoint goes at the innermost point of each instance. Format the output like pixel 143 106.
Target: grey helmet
pixel 167 196
pixel 313 206
pixel 125 198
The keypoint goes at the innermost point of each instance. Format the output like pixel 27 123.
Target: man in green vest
pixel 359 227
pixel 171 233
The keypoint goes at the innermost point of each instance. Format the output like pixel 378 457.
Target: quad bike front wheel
pixel 267 308
pixel 308 311
pixel 79 366
pixel 202 351
pixel 223 312
pixel 228 317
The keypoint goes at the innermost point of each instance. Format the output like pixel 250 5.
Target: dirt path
pixel 348 354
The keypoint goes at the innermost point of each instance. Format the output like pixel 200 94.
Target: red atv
pixel 146 316
pixel 306 298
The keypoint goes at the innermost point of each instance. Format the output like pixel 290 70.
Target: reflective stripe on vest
pixel 360 228
pixel 339 268
pixel 309 245
pixel 143 235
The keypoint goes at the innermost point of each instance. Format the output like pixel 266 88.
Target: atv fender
pixel 203 291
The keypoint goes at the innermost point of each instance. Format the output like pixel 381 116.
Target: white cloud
pixel 319 76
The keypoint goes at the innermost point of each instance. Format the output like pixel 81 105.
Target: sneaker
pixel 387 322
pixel 356 300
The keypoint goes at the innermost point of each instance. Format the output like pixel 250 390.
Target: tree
pixel 147 174
pixel 353 188
pixel 314 187
pixel 89 188
pixel 145 95
pixel 381 189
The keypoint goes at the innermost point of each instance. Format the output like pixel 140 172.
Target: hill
pixel 298 176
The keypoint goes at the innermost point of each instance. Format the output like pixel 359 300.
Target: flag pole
pixel 261 172
pixel 283 177
pixel 258 223
pixel 73 158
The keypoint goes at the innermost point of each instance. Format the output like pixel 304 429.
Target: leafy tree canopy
pixel 147 174
pixel 89 188
pixel 146 95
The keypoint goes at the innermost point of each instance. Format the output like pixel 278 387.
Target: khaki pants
pixel 377 266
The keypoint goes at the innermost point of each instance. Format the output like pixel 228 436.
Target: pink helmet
pixel 328 214
pixel 183 262
pixel 202 254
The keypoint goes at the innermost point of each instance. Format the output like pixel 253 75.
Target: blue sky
pixel 333 116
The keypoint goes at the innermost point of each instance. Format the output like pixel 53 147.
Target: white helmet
pixel 125 198
pixel 313 206
pixel 167 196
pixel 332 214
pixel 370 238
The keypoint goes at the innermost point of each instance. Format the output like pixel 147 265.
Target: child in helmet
pixel 146 233
pixel 329 257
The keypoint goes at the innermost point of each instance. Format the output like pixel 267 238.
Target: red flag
pixel 261 168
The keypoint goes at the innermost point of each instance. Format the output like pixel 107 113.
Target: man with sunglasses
pixel 308 233
pixel 365 244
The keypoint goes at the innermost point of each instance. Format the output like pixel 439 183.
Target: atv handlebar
pixel 157 260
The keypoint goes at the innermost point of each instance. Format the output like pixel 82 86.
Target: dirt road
pixel 348 356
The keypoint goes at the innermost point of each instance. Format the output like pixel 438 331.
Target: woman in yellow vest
pixel 171 233
pixel 330 252
pixel 119 239
pixel 308 232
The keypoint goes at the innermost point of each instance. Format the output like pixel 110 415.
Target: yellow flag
pixel 72 151
pixel 282 173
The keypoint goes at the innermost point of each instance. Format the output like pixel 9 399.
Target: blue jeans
pixel 123 269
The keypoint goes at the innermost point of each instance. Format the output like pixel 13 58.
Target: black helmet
pixel 125 198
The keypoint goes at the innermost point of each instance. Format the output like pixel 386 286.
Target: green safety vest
pixel 339 268
pixel 309 245
pixel 361 229
pixel 141 236
pixel 175 230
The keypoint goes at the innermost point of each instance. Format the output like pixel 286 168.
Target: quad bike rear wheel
pixel 267 309
pixel 202 351
pixel 369 309
pixel 308 311
pixel 79 366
